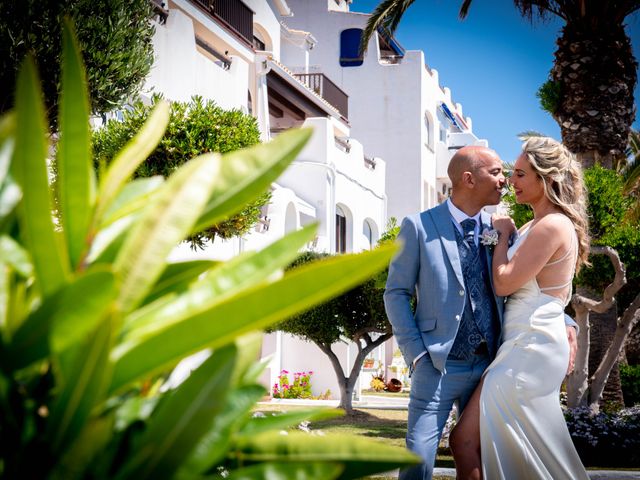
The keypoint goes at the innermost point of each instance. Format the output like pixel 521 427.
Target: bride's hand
pixel 504 224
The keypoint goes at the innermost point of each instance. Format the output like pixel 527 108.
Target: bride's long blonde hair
pixel 563 185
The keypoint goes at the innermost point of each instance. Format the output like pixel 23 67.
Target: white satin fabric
pixel 522 429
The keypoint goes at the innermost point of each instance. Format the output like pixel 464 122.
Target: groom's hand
pixel 573 348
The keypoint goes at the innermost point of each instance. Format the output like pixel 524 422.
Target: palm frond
pixel 386 15
pixel 527 134
pixel 631 173
pixel 464 9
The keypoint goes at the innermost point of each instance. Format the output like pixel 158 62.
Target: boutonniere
pixel 489 237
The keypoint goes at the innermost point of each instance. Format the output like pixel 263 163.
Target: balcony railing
pixel 233 14
pixel 328 90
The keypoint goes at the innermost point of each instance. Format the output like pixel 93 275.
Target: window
pixel 443 134
pixel 341 231
pixel 350 47
pixel 428 139
pixel 368 233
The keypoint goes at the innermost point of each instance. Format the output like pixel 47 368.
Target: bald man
pixel 454 333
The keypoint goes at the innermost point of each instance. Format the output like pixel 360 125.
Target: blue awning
pixel 392 42
pixel 449 115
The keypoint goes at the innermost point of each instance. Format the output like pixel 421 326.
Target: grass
pixel 386 426
pixel 372 392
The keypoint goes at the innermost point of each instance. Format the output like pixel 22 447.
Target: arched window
pixel 367 231
pixel 350 47
pixel 428 127
pixel 341 231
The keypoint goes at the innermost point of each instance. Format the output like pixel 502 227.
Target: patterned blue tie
pixel 469 233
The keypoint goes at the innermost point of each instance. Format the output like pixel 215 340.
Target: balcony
pixel 232 14
pixel 328 90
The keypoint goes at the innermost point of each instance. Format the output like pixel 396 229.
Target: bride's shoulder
pixel 556 224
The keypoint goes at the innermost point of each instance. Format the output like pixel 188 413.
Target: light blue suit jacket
pixel 429 266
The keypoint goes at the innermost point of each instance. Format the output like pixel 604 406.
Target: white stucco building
pixel 384 129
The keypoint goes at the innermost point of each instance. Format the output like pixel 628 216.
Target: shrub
pixel 114 35
pixel 630 379
pixel 300 388
pixel 607 439
pixel 377 383
pixel 194 128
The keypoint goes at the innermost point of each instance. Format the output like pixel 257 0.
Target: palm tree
pixel 594 72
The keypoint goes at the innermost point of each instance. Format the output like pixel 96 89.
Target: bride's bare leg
pixel 465 440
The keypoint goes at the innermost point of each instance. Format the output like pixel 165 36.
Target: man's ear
pixel 468 180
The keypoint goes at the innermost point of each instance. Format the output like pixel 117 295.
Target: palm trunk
pixel 596 71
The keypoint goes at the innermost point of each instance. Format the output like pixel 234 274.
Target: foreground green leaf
pixel 75 179
pixel 166 443
pixel 251 310
pixel 284 421
pixel 358 456
pixel 29 168
pixel 129 158
pixel 165 223
pixel 224 281
pixel 288 471
pixel 63 319
pixel 247 173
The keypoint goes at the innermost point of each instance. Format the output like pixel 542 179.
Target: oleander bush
pixel 606 439
pixel 92 316
pixel 194 128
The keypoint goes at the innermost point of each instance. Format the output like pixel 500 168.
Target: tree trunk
pixel 345 383
pixel 578 381
pixel 603 330
pixel 622 331
pixel 585 306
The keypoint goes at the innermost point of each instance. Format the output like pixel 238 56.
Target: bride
pixel 513 426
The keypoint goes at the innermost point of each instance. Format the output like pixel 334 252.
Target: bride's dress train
pixel 522 429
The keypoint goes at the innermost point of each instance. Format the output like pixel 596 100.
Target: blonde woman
pixel 513 427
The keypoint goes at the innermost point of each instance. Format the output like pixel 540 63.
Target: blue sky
pixel 494 62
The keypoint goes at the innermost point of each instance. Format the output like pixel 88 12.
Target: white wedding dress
pixel 522 429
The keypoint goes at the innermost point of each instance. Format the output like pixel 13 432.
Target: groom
pixel 454 333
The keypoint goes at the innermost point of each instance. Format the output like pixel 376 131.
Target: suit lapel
pixel 444 225
pixel 486 224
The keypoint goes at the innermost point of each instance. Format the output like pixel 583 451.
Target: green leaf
pixel 63 319
pixel 29 168
pixel 227 279
pixel 83 388
pixel 88 445
pixel 75 170
pixel 178 276
pixel 253 309
pixel 163 224
pixel 181 418
pixel 288 471
pixel 284 421
pixel 15 256
pixel 212 448
pixel 359 456
pixel 7 142
pixel 129 158
pixel 247 173
pixel 133 197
